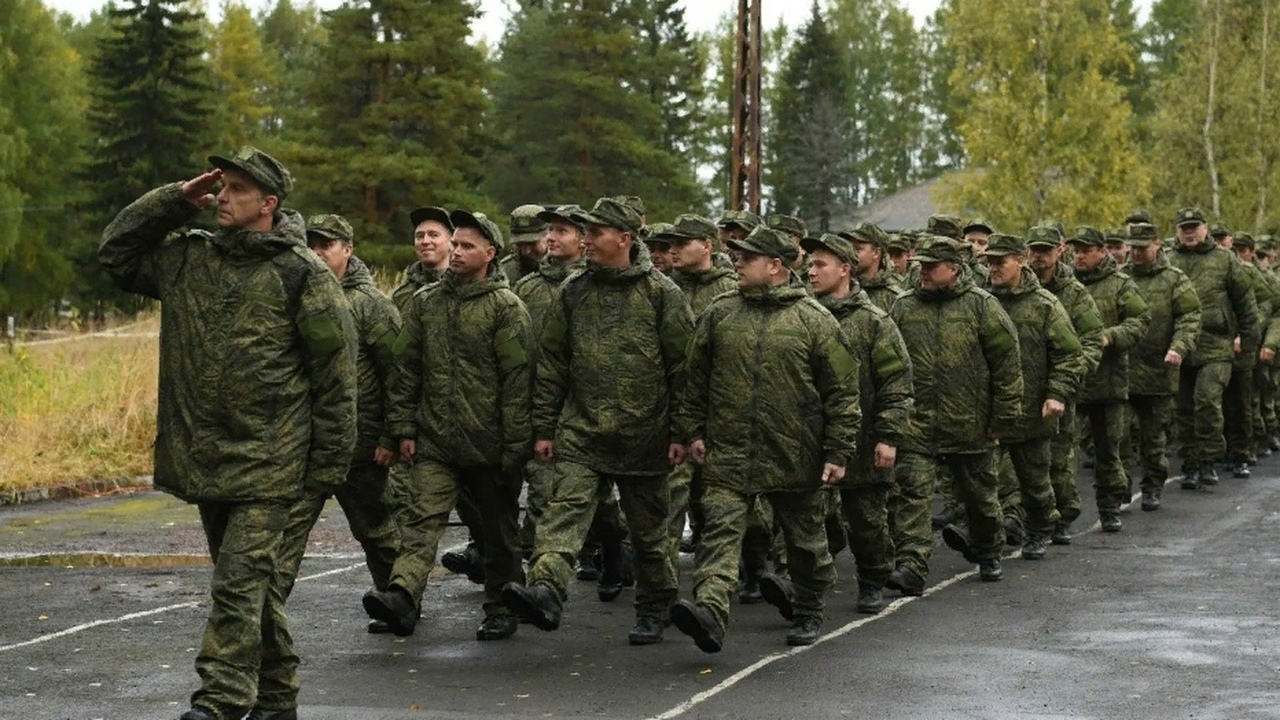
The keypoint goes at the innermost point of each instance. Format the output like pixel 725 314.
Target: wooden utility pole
pixel 744 181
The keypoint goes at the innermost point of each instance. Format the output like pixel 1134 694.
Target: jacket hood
pixel 495 280
pixel 288 230
pixel 963 283
pixel 357 274
pixel 420 274
pixel 1161 263
pixel 1105 269
pixel 557 271
pixel 774 294
pixel 641 265
pixel 1203 248
pixel 705 277
pixel 843 307
pixel 1027 284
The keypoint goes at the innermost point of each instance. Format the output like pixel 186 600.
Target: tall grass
pixel 78 410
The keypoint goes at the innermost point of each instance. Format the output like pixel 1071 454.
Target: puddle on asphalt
pixel 102 560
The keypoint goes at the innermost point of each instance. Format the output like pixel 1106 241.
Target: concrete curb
pixel 70 491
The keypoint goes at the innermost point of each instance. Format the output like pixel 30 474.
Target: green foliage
pixel 242 69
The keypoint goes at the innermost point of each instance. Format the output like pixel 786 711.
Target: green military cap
pixel 768 242
pixel 659 233
pixel 568 214
pixel 788 224
pixel 1189 216
pixel 1043 236
pixel 438 214
pixel 613 212
pixel 1001 244
pixel 938 248
pixel 1243 240
pixel 1055 225
pixel 978 224
pixel 834 244
pixel 1115 236
pixel 690 226
pixel 526 226
pixel 1085 235
pixel 1142 234
pixel 945 226
pixel 334 227
pixel 1136 216
pixel 1266 243
pixel 1219 230
pixel 741 218
pixel 488 228
pixel 632 201
pixel 868 234
pixel 900 241
pixel 265 170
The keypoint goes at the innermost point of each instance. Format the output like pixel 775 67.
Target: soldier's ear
pixel 269 204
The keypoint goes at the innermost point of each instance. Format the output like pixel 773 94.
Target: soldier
pixel 1264 417
pixel 610 362
pixel 365 497
pixel 967 385
pixel 257 408
pixel 459 409
pixel 978 233
pixel 874 274
pixel 884 392
pixel 659 245
pixel 899 248
pixel 794 229
pixel 432 242
pixel 784 424
pixel 1117 243
pixel 1135 217
pixel 1053 366
pixel 1125 316
pixel 1153 372
pixel 1238 402
pixel 951 226
pixel 1044 245
pixel 737 224
pixel 1228 313
pixel 528 238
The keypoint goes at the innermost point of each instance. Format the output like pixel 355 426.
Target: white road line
pixel 896 605
pixel 146 613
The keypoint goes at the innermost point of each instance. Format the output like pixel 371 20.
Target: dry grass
pixel 78 410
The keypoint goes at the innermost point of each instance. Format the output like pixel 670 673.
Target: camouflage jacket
pixel 1271 333
pixel 1125 317
pixel 1264 298
pixel 700 288
pixel 416 277
pixel 257 370
pixel 462 384
pixel 773 391
pixel 884 380
pixel 513 270
pixel 883 289
pixel 965 368
pixel 1227 307
pixel 611 359
pixel 538 290
pixel 1053 362
pixel 377 324
pixel 1083 312
pixel 1175 323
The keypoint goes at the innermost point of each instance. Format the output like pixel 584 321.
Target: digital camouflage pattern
pixel 539 289
pixel 884 288
pixel 1125 316
pixel 1227 307
pixel 1175 324
pixel 700 288
pixel 416 277
pixel 257 380
pixel 624 332
pixel 377 324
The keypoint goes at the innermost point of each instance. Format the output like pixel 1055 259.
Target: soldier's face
pixel 1119 251
pixel 754 270
pixel 1192 234
pixel 938 275
pixel 242 204
pixel 660 254
pixel 733 232
pixel 1246 254
pixel 333 253
pixel 1006 270
pixel 828 273
pixel 978 240
pixel 1145 255
pixel 1045 258
pixel 1264 260
pixel 1225 241
pixel 1088 257
pixel 564 241
pixel 532 251
pixel 900 259
pixel 868 259
pixel 690 254
pixel 431 241
pixel 471 253
pixel 608 246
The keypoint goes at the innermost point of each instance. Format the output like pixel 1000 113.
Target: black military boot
pixel 646 631
pixel 947 516
pixel 777 591
pixel 589 565
pixel 1150 501
pixel 615 570
pixel 698 623
pixel 198 713
pixel 378 627
pixel 906 581
pixel 1208 474
pixel 497 627
pixel 1061 534
pixel 1190 477
pixel 989 570
pixel 870 599
pixel 260 714
pixel 1034 548
pixel 1013 534
pixel 1240 470
pixel 536 603
pixel 394 607
pixel 1110 520
pixel 957 539
pixel 804 630
pixel 465 561
pixel 749 590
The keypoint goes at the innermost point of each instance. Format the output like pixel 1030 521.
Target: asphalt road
pixel 1175 617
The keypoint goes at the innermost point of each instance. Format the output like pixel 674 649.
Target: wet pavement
pixel 1174 617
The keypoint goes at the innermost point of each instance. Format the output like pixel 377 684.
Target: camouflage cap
pixel 488 228
pixel 1115 236
pixel 690 226
pixel 938 248
pixel 1043 236
pixel 741 218
pixel 634 202
pixel 1188 216
pixel 568 214
pixel 978 223
pixel 947 226
pixel 901 241
pixel 1243 240
pixel 834 244
pixel 1266 243
pixel 1137 215
pixel 1055 225
pixel 788 224
pixel 1001 244
pixel 333 227
pixel 613 212
pixel 526 226
pixel 764 241
pixel 659 234
pixel 438 214
pixel 1085 235
pixel 265 170
pixel 1219 230
pixel 1142 234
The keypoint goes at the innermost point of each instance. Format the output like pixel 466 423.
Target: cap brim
pixel 519 238
pixel 1001 252
pixel 746 247
pixel 550 216
pixel 587 218
pixel 226 163
pixel 989 230
pixel 1042 244
pixel 328 234
pixel 438 214
pixel 929 259
pixel 1185 223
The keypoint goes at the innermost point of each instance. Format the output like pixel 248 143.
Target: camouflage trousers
pixel 1199 412
pixel 1026 494
pixel 1237 412
pixel 1264 407
pixel 977 489
pixel 1062 467
pixel 859 518
pixel 680 482
pixel 576 494
pixel 433 491
pixel 910 511
pixel 1153 413
pixel 538 478
pixel 801 515
pixel 246 656
pixel 1109 422
pixel 468 510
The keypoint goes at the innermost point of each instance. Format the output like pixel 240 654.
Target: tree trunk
pixel 1211 163
pixel 1259 140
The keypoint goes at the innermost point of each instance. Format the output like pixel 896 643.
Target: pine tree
pixel 243 70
